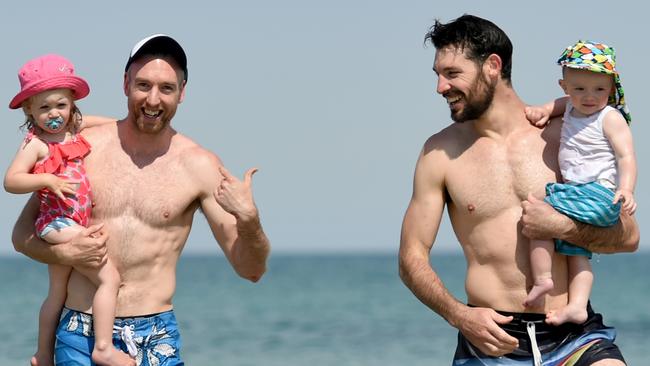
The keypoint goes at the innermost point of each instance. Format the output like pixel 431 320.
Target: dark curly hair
pixel 478 37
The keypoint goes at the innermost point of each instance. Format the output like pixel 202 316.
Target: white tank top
pixel 585 153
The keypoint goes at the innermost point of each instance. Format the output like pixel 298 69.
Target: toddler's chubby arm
pixel 540 115
pixel 19 179
pixel 619 135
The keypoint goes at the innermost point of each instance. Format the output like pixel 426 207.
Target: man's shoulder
pixel 99 129
pixel 553 129
pixel 447 139
pixel 194 156
pixel 99 132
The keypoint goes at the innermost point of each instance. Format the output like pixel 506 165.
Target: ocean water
pixel 321 310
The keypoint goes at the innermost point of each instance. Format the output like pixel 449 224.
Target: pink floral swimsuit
pixel 64 160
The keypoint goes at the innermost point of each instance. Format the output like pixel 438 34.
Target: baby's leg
pixel 107 280
pixel 61 231
pixel 541 262
pixel 580 280
pixel 48 318
pixel 56 232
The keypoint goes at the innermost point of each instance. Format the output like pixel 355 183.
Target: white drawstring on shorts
pixel 126 334
pixel 537 356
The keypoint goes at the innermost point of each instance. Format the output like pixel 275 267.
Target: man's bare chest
pixel 157 193
pixel 487 179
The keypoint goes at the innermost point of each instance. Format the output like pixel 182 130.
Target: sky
pixel 331 100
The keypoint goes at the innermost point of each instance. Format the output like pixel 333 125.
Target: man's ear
pixel 182 96
pixel 126 84
pixel 492 65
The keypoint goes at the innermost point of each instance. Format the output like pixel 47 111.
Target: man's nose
pixel 443 85
pixel 153 96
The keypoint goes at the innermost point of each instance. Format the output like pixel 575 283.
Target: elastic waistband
pixel 137 319
pixel 520 321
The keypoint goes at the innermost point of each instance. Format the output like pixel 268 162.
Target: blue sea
pixel 321 310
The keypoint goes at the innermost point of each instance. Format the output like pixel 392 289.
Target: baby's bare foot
pixel 111 356
pixel 567 314
pixel 536 294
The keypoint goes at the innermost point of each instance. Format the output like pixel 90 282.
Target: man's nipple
pixel 470 208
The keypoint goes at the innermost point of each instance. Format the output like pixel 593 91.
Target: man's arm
pixel 231 212
pixel 92 121
pixel 88 249
pixel 541 221
pixel 419 230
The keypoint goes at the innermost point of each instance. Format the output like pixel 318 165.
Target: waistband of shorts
pixel 136 319
pixel 517 327
pixel 547 337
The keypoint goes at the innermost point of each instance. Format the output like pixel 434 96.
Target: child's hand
pixel 537 115
pixel 627 197
pixel 59 186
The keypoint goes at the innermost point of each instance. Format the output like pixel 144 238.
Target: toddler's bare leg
pixel 541 262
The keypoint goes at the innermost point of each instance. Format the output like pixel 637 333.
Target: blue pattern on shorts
pixel 156 339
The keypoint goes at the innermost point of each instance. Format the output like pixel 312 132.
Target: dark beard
pixel 476 103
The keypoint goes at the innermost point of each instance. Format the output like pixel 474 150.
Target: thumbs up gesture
pixel 236 196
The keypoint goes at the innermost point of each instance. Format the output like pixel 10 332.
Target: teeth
pixel 453 100
pixel 151 113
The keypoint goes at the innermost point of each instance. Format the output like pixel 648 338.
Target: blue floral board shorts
pixel 153 340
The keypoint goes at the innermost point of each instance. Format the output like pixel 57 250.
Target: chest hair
pixel 492 176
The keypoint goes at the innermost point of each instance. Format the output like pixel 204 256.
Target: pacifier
pixel 54 123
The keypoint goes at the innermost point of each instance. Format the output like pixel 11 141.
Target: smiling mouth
pixel 453 100
pixel 150 113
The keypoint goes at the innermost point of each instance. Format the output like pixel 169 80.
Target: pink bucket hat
pixel 46 73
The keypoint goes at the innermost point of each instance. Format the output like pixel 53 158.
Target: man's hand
pixel 481 327
pixel 235 196
pixel 88 248
pixel 539 220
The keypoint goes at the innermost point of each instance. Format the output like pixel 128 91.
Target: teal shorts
pixel 590 203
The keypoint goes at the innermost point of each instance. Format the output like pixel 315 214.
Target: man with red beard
pixel 488 169
pixel 148 181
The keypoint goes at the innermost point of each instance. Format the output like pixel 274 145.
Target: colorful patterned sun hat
pixel 597 57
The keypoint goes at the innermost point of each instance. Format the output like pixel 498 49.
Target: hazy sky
pixel 332 100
